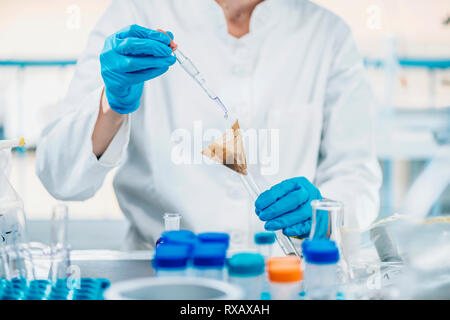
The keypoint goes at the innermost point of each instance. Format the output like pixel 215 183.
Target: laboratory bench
pixel 110 264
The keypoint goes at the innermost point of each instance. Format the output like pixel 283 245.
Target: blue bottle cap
pixel 180 237
pixel 246 265
pixel 209 255
pixel 214 237
pixel 320 251
pixel 265 238
pixel 171 256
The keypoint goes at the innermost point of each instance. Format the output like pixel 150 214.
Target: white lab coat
pixel 298 70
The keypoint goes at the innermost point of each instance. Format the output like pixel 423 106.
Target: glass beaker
pixel 327 221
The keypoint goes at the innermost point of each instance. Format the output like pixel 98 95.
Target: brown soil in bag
pixel 229 150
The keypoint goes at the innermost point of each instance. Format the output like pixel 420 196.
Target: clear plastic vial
pixel 321 279
pixel 285 277
pixel 171 260
pixel 208 260
pixel 264 243
pixel 171 223
pixel 246 270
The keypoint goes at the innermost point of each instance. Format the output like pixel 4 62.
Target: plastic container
pixel 264 242
pixel 321 258
pixel 171 260
pixel 214 237
pixel 181 237
pixel 246 270
pixel 208 261
pixel 285 277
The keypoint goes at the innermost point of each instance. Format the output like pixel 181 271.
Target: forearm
pixel 106 127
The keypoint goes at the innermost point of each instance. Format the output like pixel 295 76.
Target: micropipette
pixel 192 70
pixel 13 143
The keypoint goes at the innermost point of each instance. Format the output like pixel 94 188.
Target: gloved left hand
pixel 287 206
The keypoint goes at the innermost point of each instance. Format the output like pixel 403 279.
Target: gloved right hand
pixel 130 57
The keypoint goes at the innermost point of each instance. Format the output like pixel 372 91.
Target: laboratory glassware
pixel 321 270
pixel 246 270
pixel 327 221
pixel 254 191
pixel 285 277
pixel 15 251
pixel 171 223
pixel 59 244
pixel 192 70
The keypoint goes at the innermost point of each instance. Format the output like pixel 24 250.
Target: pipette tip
pixel 222 106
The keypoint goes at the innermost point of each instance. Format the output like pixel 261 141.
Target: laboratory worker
pixel 288 69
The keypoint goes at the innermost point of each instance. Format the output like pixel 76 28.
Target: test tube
pixel 60 249
pixel 172 221
pixel 254 190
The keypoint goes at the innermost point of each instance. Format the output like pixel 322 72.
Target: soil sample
pixel 229 150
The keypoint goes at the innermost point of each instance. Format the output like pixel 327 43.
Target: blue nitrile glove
pixel 287 206
pixel 131 56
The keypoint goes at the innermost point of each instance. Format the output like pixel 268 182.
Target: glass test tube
pixel 283 241
pixel 172 221
pixel 327 223
pixel 60 249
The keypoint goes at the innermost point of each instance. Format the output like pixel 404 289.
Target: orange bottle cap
pixel 287 259
pixel 284 269
pixel 172 44
pixel 285 272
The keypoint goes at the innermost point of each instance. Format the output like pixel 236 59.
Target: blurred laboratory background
pixel 405 44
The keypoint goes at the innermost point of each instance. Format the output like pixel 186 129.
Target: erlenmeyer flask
pixel 15 247
pixel 19 260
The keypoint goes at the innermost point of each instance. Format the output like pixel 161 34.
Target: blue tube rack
pixel 80 289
